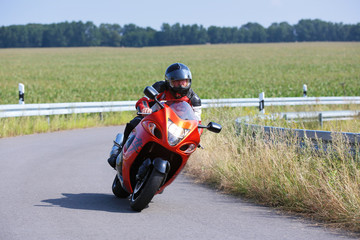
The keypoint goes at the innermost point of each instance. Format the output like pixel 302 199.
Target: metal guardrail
pixel 46 109
pixel 311 116
pixel 313 135
pixel 318 139
pixel 254 102
pixel 321 115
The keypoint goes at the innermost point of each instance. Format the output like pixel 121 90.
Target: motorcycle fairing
pixel 145 145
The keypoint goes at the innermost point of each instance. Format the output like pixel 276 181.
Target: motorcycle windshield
pixel 182 109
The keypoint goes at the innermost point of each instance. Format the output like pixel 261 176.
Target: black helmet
pixel 175 72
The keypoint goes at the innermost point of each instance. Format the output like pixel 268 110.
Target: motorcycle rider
pixel 177 85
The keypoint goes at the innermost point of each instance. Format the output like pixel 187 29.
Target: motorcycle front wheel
pixel 118 189
pixel 145 189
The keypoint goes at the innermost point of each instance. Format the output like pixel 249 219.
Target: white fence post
pixel 305 90
pixel 262 102
pixel 21 93
pixel 321 120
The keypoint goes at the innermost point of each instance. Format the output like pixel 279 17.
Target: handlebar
pixel 140 113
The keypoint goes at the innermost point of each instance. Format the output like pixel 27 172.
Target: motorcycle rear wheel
pixel 118 189
pixel 146 189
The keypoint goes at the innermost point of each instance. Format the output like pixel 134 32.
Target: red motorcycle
pixel 157 150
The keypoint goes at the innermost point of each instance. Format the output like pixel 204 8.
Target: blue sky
pixel 152 13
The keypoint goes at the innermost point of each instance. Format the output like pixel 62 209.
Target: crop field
pixel 219 71
pixel 322 185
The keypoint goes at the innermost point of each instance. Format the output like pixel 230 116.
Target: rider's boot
pixel 115 151
pixel 120 141
pixel 112 159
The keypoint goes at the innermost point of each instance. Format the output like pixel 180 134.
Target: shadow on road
pixel 90 201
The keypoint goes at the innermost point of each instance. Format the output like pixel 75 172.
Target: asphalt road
pixel 58 186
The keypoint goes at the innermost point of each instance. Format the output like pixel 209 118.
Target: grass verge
pixel 39 124
pixel 322 185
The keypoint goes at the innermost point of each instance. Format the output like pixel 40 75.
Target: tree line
pixel 79 34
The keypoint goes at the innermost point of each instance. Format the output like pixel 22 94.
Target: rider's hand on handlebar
pixel 146 111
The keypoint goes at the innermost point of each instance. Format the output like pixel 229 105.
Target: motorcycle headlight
pixel 175 133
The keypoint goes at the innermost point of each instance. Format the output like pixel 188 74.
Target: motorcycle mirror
pixel 214 127
pixel 150 92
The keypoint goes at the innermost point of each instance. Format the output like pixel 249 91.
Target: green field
pixel 219 71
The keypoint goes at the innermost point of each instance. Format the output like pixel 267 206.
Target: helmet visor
pixel 181 83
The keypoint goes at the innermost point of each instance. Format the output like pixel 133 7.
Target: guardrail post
pixel 21 93
pixel 321 120
pixel 262 102
pixel 305 90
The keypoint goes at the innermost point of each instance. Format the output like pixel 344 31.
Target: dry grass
pixel 323 185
